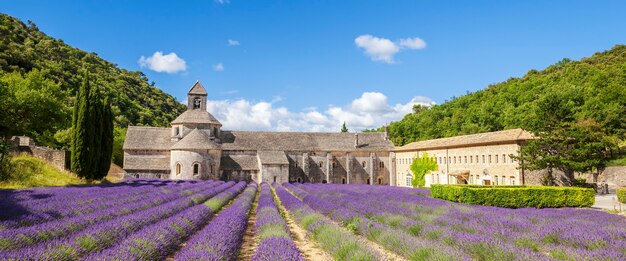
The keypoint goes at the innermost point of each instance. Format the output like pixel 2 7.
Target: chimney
pixel 356 140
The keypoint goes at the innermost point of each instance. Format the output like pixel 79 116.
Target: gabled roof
pixel 147 138
pixel 196 116
pixel 195 140
pixel 272 157
pixel 239 162
pixel 304 141
pixel 496 137
pixel 143 162
pixel 197 89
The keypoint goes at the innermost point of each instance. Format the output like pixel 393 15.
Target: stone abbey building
pixel 196 147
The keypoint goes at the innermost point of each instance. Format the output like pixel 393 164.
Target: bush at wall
pixel 621 194
pixel 516 196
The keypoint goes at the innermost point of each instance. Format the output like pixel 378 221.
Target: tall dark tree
pixel 106 141
pixel 344 128
pixel 83 132
pixel 96 113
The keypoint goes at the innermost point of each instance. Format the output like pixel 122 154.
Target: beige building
pixel 483 158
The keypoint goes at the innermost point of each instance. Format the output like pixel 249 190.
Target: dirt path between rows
pixel 249 244
pixel 309 249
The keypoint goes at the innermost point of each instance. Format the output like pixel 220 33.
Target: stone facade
pixel 196 147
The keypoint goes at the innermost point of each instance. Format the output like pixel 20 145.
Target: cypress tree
pixel 95 116
pixel 106 141
pixel 82 132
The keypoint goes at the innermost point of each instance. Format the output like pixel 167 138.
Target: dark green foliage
pixel 82 160
pixel 24 49
pixel 595 88
pixel 344 128
pixel 516 196
pixel 419 167
pixel 5 161
pixel 621 195
pixel 106 141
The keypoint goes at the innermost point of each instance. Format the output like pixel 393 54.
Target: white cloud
pixel 379 49
pixel 370 110
pixel 169 63
pixel 413 43
pixel 232 42
pixel 222 1
pixel 218 67
pixel 383 49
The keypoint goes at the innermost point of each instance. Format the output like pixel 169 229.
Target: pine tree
pixel 82 132
pixel 344 128
pixel 106 141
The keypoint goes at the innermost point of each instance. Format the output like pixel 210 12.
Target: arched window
pixel 512 180
pixel 409 180
pixel 299 180
pixel 196 103
pixel 495 180
pixel 380 181
pixel 178 168
pixel 343 180
pixel 368 181
pixel 196 169
pixel 321 163
pixel 497 158
pixel 489 159
pixel 364 166
pixel 334 164
pixel 503 158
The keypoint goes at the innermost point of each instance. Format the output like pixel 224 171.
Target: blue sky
pixel 310 65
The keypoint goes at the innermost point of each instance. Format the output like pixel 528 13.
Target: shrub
pixel 621 194
pixel 516 196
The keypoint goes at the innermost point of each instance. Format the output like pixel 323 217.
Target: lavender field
pixel 147 219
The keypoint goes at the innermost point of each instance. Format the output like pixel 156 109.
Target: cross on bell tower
pixel 196 98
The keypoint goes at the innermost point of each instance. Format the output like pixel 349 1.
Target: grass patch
pixel 28 171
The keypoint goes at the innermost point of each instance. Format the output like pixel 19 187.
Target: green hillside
pixel 594 87
pixel 27 171
pixel 40 75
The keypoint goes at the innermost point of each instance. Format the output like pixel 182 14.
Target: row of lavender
pixel 32 206
pixel 339 243
pixel 272 233
pixel 477 232
pixel 148 229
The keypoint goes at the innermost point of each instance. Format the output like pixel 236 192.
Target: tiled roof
pixel 196 116
pixel 197 89
pixel 495 137
pixel 239 162
pixel 144 162
pixel 196 139
pixel 272 157
pixel 303 141
pixel 147 138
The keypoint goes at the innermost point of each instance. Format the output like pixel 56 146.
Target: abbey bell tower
pixel 196 98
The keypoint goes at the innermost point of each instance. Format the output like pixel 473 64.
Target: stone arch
pixel 324 181
pixel 368 181
pixel 196 168
pixel 299 180
pixel 178 169
pixel 380 181
pixel 343 180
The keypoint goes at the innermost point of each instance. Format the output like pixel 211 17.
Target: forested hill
pixel 594 88
pixel 40 75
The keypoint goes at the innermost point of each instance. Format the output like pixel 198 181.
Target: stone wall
pixel 57 158
pixel 614 176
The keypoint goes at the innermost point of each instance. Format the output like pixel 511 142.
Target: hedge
pixel 621 194
pixel 516 196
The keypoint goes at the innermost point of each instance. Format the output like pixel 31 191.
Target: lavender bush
pixel 275 243
pixel 221 238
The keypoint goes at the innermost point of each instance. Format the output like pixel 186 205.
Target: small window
pixel 471 159
pixel 299 180
pixel 274 178
pixel 483 159
pixel 321 163
pixel 196 169
pixel 364 166
pixel 496 158
pixel 489 159
pixel 343 180
pixel 196 103
pixel 512 180
pixel 334 164
pixel 503 158
pixel 382 164
pixel 368 181
pixel 465 157
pixel 324 181
pixel 178 168
pixel 176 131
pixel 495 180
pixel 380 181
pixel 409 180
